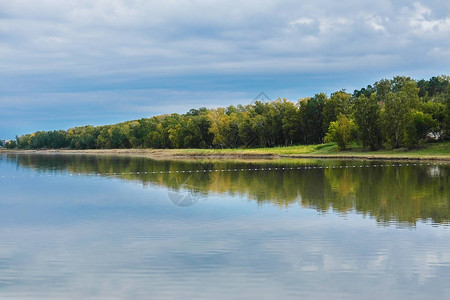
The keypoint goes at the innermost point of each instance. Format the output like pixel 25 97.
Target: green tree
pixel 11 144
pixel 338 103
pixel 398 83
pixel 397 112
pixel 342 131
pixel 119 135
pixel 24 141
pixel 176 136
pixel 432 87
pixel 137 133
pixel 290 121
pixel 58 139
pixel 166 131
pixel 103 139
pixel 364 91
pixel 420 125
pixel 246 132
pixel 150 132
pixel 311 111
pixel 437 111
pixel 383 87
pixel 367 117
pixel 447 113
pixel 224 128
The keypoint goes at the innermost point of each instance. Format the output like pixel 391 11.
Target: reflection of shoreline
pixel 389 192
pixel 237 154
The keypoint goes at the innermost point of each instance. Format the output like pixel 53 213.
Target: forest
pixel 391 113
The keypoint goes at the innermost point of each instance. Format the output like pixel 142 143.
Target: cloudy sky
pixel 69 63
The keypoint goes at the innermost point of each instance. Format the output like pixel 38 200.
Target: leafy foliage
pixel 342 131
pixel 398 112
pixel 367 114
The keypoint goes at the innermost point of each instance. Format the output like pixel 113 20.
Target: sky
pixel 80 62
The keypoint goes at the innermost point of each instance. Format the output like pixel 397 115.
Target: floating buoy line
pixel 267 169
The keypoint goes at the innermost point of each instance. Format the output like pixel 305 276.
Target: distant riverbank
pixel 432 151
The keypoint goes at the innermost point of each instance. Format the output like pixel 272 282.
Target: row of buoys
pixel 235 170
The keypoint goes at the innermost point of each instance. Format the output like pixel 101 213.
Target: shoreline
pixel 156 154
pixel 194 154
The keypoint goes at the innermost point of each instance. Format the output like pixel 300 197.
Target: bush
pixel 11 145
pixel 342 131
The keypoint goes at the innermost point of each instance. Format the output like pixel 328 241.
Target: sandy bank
pixel 167 154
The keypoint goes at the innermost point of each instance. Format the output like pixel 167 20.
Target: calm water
pixel 86 227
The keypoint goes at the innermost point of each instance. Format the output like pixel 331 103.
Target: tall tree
pixel 420 125
pixel 383 87
pixel 338 103
pixel 312 115
pixel 367 117
pixel 290 123
pixel 398 112
pixel 342 131
pixel 447 118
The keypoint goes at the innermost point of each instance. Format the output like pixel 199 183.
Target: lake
pixel 99 227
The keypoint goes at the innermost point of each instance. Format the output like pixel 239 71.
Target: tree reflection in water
pixel 405 194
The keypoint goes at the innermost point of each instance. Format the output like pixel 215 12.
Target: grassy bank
pixel 426 151
pixel 432 151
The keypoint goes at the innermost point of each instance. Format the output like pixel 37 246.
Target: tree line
pixel 391 113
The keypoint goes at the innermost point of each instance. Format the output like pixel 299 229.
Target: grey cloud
pixel 197 36
pixel 77 46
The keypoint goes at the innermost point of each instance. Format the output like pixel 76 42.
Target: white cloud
pixel 302 21
pixel 376 22
pixel 424 24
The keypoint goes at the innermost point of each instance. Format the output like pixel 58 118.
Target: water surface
pixel 88 227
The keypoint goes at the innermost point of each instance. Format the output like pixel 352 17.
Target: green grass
pixel 302 149
pixel 426 150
